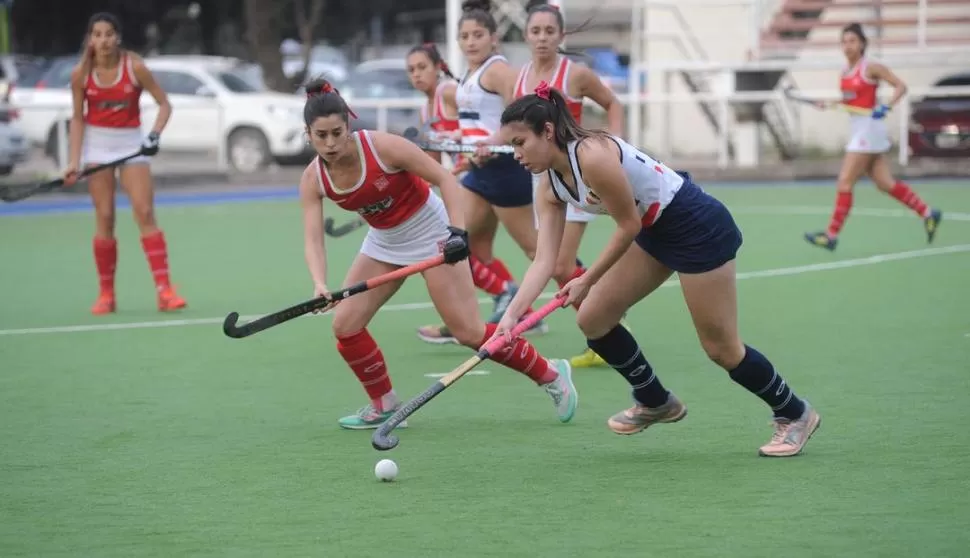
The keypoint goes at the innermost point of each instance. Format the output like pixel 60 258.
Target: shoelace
pixel 366 410
pixel 555 391
pixel 781 431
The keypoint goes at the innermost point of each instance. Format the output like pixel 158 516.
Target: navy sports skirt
pixel 501 181
pixel 694 234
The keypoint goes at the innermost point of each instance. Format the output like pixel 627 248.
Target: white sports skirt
pixel 103 145
pixel 868 135
pixel 417 239
pixel 573 214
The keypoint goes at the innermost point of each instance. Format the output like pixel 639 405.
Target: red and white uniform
pixel 112 116
pixel 407 220
pixel 654 183
pixel 560 82
pixel 442 126
pixel 866 134
pixel 441 123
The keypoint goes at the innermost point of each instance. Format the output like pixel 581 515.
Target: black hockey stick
pixel 336 231
pixel 230 328
pixel 16 192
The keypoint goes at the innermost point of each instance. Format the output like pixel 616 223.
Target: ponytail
pixel 546 106
pixel 433 54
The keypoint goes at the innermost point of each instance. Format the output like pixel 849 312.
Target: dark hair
pixel 856 29
pixel 323 100
pixel 431 51
pixel 105 17
pixel 87 55
pixel 546 105
pixel 544 7
pixel 479 11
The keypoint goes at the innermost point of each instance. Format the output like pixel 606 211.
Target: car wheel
pixel 248 150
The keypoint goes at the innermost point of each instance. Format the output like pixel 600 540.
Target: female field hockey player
pixel 440 117
pixel 545 32
pixel 106 126
pixel 869 141
pixel 498 189
pixel 385 178
pixel 665 224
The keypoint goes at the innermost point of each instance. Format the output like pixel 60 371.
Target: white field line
pixel 777 272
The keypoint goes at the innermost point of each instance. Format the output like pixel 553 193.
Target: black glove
pixel 455 248
pixel 150 145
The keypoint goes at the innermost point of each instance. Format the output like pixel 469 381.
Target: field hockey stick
pixel 16 192
pixel 383 440
pixel 230 328
pixel 413 135
pixel 792 95
pixel 337 231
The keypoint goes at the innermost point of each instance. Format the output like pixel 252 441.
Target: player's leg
pixel 854 165
pixel 568 267
pixel 101 186
pixel 633 277
pixel 880 173
pixel 712 301
pixel 359 350
pixel 136 179
pixel 452 292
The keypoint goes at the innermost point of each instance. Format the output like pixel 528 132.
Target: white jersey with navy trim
pixel 479 110
pixel 654 183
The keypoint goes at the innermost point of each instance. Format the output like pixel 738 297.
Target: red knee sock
pixel 843 203
pixel 367 361
pixel 522 357
pixel 157 253
pixel 576 273
pixel 498 266
pixel 909 198
pixel 486 279
pixel 106 261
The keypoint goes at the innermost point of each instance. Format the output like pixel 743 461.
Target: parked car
pixel 940 126
pixel 214 104
pixel 14 148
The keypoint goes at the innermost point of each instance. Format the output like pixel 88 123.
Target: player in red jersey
pixel 545 33
pixel 385 179
pixel 869 141
pixel 106 126
pixel 440 117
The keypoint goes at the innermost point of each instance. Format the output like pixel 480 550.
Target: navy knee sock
pixel 620 350
pixel 756 374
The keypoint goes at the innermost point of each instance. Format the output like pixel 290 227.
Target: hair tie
pixel 542 90
pixel 327 88
pixel 554 6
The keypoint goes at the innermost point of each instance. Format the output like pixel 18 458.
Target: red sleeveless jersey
pixel 559 81
pixel 857 89
pixel 384 197
pixel 440 121
pixel 114 105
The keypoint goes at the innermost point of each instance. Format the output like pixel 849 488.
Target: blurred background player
pixel 664 224
pixel 106 126
pixel 385 178
pixel 497 188
pixel 545 33
pixel 869 141
pixel 440 118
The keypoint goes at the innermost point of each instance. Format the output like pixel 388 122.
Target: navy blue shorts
pixel 501 181
pixel 694 234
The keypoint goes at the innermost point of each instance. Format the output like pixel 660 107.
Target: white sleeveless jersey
pixel 654 183
pixel 479 110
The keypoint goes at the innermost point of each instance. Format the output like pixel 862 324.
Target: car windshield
pixel 237 82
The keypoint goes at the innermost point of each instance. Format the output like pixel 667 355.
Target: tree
pixel 264 31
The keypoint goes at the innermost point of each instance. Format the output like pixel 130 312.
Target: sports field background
pixel 142 434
